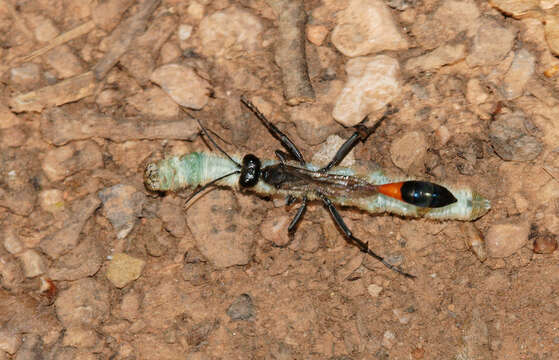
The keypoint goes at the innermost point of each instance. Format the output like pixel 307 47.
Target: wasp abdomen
pixel 419 193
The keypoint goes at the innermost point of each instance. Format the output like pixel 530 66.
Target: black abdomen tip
pixel 426 194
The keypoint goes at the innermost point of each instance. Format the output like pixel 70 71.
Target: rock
pixel 52 200
pixel 84 304
pixel 17 192
pixel 506 238
pixel 408 150
pixel 545 244
pixel 80 337
pixel 173 216
pixel 67 238
pixel 122 205
pixel 229 32
pixel 450 19
pixel 11 274
pixel 11 241
pixel 13 137
pixel 67 160
pixel 242 308
pixel 7 118
pixel 227 240
pixel 26 75
pixel 33 263
pixel 491 44
pixel 155 103
pixel 388 339
pixel 274 227
pixel 443 55
pixel 521 70
pixel 184 32
pixel 123 269
pixel 183 85
pixel 474 240
pixel 476 93
pixel 82 261
pixel 314 122
pixel 374 290
pixel 365 27
pixel 106 14
pixel 10 340
pixel 514 8
pixel 372 83
pixel 510 139
pixel 64 62
pixel 327 150
pixel 43 28
pixel 316 34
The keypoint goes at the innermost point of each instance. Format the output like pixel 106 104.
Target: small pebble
pixel 184 32
pixel 274 228
pixel 242 308
pixel 365 27
pixel 374 290
pixel 33 263
pixel 84 304
pixel 505 239
pixel 388 339
pixel 545 244
pixel 520 72
pixel 122 205
pixel 26 75
pixel 51 200
pixel 69 159
pixel 183 85
pixel 123 269
pixel 408 150
pixel 486 50
pixel 10 340
pixel 510 139
pixel 316 34
pixel 12 243
pixel 372 83
pixel 474 240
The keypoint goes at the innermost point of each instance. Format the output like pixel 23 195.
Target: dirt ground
pixel 94 266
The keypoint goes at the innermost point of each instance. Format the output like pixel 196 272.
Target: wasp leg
pixel 363 246
pixel 361 133
pixel 282 156
pixel 289 199
pixel 298 216
pixel 283 139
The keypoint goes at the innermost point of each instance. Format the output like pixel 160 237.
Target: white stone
pixel 521 70
pixel 11 242
pixel 366 27
pixel 33 263
pixel 230 31
pixel 184 32
pixel 372 83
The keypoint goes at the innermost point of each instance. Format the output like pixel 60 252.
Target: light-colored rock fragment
pixel 82 261
pixel 505 239
pixel 520 71
pixel 10 340
pixel 366 27
pixel 7 118
pixel 183 85
pixel 444 55
pixel 122 205
pixel 33 263
pixel 274 228
pixel 224 242
pixel 372 83
pixel 491 44
pixel 514 7
pixel 27 74
pixel 316 34
pixel 11 241
pixel 475 92
pixel 230 32
pixel 52 200
pixel 408 150
pixel 80 337
pixel 123 269
pixel 67 160
pixel 84 304
pixel 64 62
pixel 511 141
pixel 374 290
pixel 388 339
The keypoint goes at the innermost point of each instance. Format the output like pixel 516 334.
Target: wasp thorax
pixel 250 172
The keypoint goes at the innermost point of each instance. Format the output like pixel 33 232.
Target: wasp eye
pixel 250 172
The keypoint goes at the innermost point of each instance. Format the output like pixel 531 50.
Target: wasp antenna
pixel 212 140
pixel 199 190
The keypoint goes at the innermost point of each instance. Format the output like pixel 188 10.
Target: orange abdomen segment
pixel 394 190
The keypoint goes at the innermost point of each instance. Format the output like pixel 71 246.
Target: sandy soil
pixel 94 266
